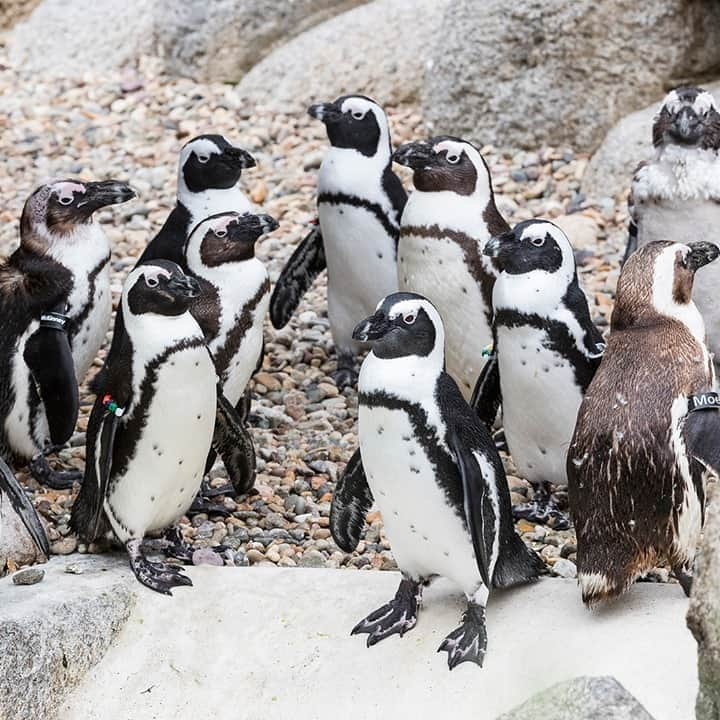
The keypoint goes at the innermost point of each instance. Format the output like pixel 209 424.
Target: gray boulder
pixel 378 49
pixel 611 167
pixel 584 698
pixel 52 633
pixel 704 615
pixel 16 545
pixel 223 39
pixel 560 72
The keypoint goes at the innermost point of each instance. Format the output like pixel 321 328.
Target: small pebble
pixel 28 576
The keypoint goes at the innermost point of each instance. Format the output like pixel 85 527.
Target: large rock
pixel 628 143
pixel 16 545
pixel 52 633
pixel 64 38
pixel 223 39
pixel 561 72
pixel 584 698
pixel 704 615
pixel 378 50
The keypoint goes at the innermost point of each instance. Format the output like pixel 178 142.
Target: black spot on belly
pixel 464 290
pixel 180 462
pixel 380 430
pixel 406 438
pixel 543 451
pixel 84 342
pixel 415 470
pixel 411 453
pixel 152 498
pixel 199 417
pixel 380 255
pixel 341 212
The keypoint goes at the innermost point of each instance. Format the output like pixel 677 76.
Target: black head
pixel 353 121
pixel 531 245
pixel 444 163
pixel 227 237
pixel 210 162
pixel 61 206
pixel 689 117
pixel 404 324
pixel 160 287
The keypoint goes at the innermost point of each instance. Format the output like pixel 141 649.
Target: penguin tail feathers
pixel 517 564
pixel 597 587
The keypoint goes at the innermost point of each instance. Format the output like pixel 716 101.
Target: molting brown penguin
pixel 647 430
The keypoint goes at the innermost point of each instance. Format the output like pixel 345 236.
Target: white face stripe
pixel 65 190
pixel 360 105
pixel 148 272
pixel 201 147
pixel 702 104
pixel 455 147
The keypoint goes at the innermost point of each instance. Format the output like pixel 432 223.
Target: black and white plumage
pixel 14 503
pixel 209 169
pixel 360 201
pixel 435 474
pixel 639 457
pixel 145 466
pixel 55 305
pixel 546 353
pixel 675 195
pixel 445 225
pixel 231 308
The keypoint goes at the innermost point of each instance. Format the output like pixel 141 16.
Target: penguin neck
pixel 449 210
pixel 412 378
pixel 213 201
pixel 80 249
pixel 345 170
pixel 537 292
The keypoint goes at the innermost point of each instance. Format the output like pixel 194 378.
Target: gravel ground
pixel 131 127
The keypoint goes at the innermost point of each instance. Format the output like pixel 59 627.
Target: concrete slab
pixel 270 643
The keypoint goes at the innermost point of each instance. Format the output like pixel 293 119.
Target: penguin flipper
pixel 351 502
pixel 234 444
pixel 632 243
pixel 487 397
pixel 304 265
pixel 23 507
pixel 49 358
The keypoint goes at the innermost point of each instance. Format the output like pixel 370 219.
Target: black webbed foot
pixel 173 545
pixel 155 575
pixel 56 479
pixel 468 642
pixel 204 505
pixel 544 509
pixel 397 616
pixel 345 375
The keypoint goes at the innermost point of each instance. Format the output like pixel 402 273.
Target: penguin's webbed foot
pixel 55 479
pixel 203 504
pixel 345 375
pixel 468 642
pixel 173 545
pixel 544 509
pixel 396 617
pixel 157 576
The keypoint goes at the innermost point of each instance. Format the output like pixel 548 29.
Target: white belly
pixel 540 402
pixel 436 268
pixel 166 470
pixel 361 267
pixel 426 535
pixel 90 336
pixel 687 222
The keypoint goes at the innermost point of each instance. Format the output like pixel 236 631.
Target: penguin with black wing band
pixel 546 353
pixel 360 201
pixel 647 431
pixel 434 471
pixel 152 424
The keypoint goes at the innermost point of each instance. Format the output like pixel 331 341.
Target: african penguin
pixel 676 194
pixel 55 304
pixel 435 474
pixel 445 225
pixel 231 308
pixel 647 430
pixel 360 201
pixel 152 423
pixel 546 353
pixel 209 170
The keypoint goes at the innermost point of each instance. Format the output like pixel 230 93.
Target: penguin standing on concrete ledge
pixel 360 201
pixel 676 194
pixel 445 225
pixel 152 423
pixel 434 471
pixel 209 170
pixel 546 353
pixel 55 309
pixel 648 428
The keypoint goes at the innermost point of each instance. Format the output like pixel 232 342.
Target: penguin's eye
pixel 221 233
pixel 151 282
pixel 203 158
pixel 409 318
pixel 538 241
pixel 453 159
pixel 358 115
pixel 65 199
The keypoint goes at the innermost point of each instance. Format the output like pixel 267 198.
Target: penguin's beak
pixel 240 158
pixel 415 155
pixel 11 488
pixel 325 112
pixel 102 194
pixel 686 126
pixel 501 248
pixel 183 287
pixel 701 253
pixel 372 328
pixel 251 227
